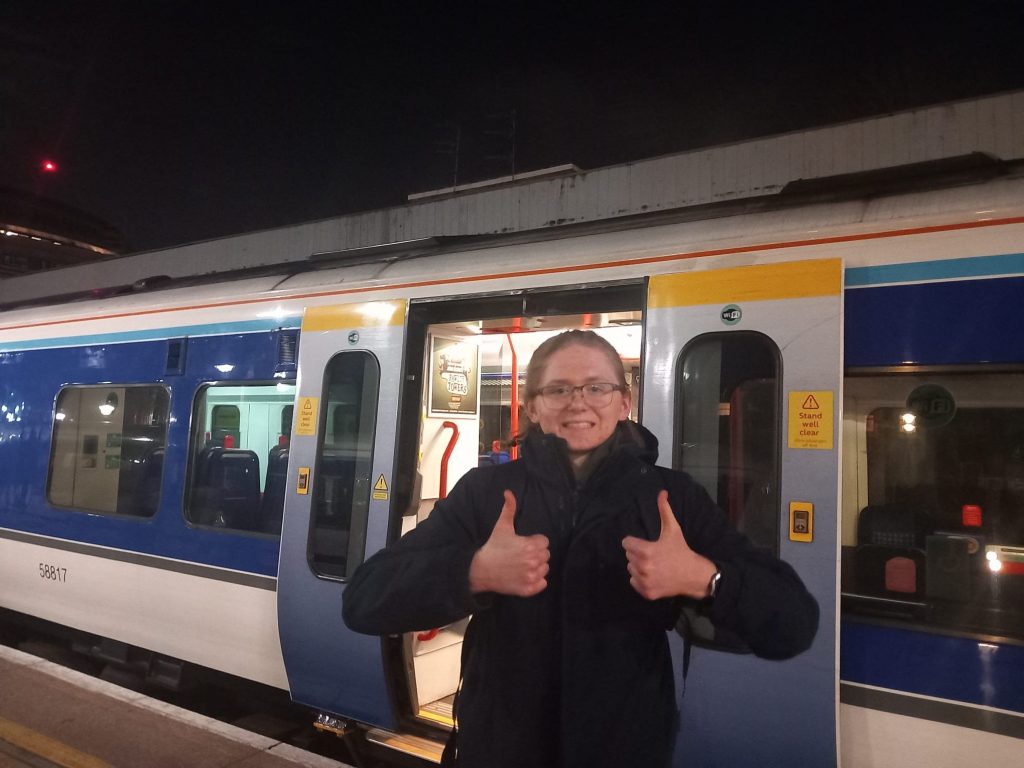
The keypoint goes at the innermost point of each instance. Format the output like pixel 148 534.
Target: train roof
pixel 955 142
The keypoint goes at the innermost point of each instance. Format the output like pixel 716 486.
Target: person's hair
pixel 539 363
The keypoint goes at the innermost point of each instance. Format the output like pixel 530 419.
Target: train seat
pixel 901 574
pixel 272 506
pixel 146 498
pixel 226 488
pixel 950 574
pixel 892 525
pixel 890 556
pixel 240 488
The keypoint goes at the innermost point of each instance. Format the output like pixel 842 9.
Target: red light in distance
pixel 48 166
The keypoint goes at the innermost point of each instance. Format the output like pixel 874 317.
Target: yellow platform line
pixel 55 751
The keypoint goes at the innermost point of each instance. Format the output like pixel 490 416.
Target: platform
pixel 52 716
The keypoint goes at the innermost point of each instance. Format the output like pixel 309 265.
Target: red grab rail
pixel 447 455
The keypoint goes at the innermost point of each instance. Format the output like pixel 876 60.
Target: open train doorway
pixel 464 382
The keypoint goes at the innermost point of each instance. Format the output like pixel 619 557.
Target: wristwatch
pixel 713 585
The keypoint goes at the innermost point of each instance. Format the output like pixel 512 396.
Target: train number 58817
pixel 52 572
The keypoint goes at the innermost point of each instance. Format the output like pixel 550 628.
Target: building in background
pixel 38 234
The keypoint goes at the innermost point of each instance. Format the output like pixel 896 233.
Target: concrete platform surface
pixel 52 716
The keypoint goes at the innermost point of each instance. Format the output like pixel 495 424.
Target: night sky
pixel 181 121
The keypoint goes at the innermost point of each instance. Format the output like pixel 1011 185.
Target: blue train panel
pixel 938 323
pixel 931 664
pixel 29 384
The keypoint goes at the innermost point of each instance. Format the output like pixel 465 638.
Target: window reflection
pixel 108 449
pixel 934 520
pixel 727 436
pixel 342 483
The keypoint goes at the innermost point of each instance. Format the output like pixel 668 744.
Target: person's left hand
pixel 667 567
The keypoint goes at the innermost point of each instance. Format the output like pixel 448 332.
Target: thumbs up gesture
pixel 508 563
pixel 667 567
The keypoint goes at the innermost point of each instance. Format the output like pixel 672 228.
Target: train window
pixel 933 507
pixel 238 464
pixel 108 449
pixel 342 482
pixel 727 429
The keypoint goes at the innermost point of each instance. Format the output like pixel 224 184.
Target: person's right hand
pixel 510 564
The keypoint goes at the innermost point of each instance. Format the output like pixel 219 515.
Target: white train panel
pixel 158 608
pixel 872 738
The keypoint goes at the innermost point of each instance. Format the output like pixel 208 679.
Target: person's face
pixel 583 425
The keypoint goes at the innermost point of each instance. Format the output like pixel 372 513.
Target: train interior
pixel 468 419
pixel 933 500
pixel 239 456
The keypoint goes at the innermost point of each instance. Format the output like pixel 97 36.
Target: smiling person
pixel 574 562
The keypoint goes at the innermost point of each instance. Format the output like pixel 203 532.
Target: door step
pixel 425 749
pixel 439 711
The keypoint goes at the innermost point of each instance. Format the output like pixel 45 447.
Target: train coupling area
pixel 52 717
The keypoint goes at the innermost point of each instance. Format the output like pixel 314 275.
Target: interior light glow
pixel 110 405
pixel 225 367
pixel 995 565
pixel 60 416
pixel 991 555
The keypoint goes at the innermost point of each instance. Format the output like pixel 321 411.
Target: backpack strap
pixel 450 755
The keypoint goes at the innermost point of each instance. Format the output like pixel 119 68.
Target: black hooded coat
pixel 580 674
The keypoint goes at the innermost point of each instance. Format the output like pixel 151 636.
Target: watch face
pixel 713 585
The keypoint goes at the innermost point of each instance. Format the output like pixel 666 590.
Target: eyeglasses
pixel 597 393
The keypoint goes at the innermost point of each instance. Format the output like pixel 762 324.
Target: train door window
pixel 238 463
pixel 342 481
pixel 108 449
pixel 727 429
pixel 933 500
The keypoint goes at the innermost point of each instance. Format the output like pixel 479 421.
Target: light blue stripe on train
pixel 948 269
pixel 121 337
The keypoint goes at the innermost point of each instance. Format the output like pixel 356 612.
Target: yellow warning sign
pixel 380 489
pixel 810 420
pixel 305 423
pixel 302 486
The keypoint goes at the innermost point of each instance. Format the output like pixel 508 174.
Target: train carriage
pixel 195 468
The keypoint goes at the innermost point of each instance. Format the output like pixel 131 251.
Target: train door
pixel 340 460
pixel 742 379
